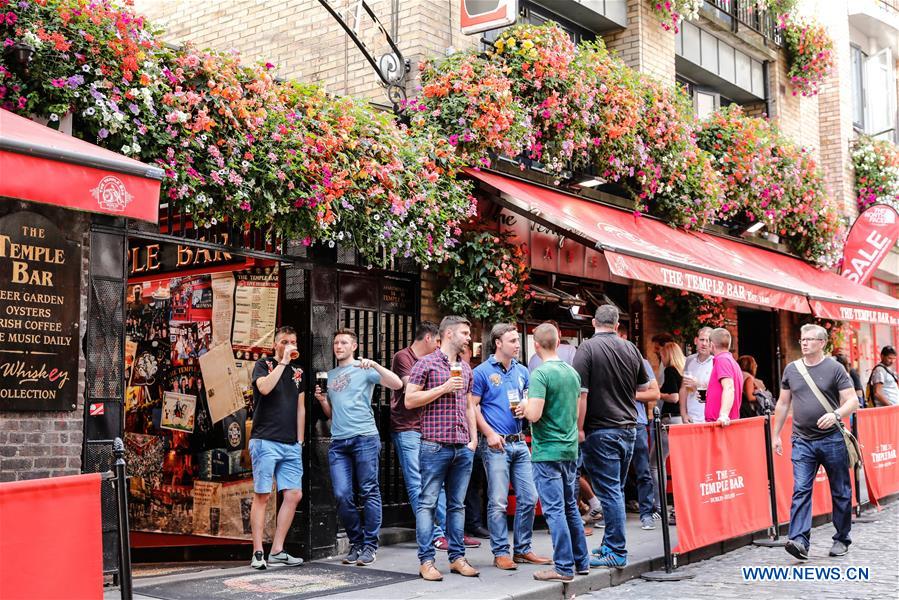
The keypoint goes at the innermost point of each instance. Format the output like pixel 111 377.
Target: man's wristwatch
pixel 837 416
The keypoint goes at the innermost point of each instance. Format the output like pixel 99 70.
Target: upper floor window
pixel 874 92
pixel 531 14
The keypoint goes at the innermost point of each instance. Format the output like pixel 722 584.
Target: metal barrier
pixel 108 457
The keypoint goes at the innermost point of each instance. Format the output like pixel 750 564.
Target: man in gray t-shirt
pixel 817 439
pixel 884 385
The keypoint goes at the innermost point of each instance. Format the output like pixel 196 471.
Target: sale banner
pixel 878 435
pixel 720 481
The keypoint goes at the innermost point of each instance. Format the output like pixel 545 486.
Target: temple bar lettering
pixel 40 304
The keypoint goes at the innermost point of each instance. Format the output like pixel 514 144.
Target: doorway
pixel 756 334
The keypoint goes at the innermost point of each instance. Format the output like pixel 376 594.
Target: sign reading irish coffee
pixel 40 301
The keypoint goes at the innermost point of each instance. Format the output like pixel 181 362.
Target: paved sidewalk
pixel 493 584
pixel 874 545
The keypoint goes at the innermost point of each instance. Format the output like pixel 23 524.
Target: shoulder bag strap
pixel 800 366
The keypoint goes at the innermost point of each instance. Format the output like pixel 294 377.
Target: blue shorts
pixel 276 460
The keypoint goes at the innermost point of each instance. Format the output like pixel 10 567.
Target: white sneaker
pixel 258 561
pixel 592 516
pixel 283 558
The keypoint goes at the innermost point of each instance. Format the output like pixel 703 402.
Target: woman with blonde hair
pixel 673 361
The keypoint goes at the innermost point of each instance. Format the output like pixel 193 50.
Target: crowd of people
pixel 588 410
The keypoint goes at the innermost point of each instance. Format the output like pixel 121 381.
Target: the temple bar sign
pixel 40 306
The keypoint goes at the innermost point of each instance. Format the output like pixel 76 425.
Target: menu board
pixel 255 311
pixel 222 307
pixel 40 308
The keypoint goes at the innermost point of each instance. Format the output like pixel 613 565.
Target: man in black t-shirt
pixel 612 372
pixel 276 444
pixel 817 439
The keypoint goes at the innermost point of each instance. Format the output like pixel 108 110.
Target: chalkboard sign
pixel 40 306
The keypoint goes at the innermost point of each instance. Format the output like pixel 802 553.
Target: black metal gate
pixel 383 310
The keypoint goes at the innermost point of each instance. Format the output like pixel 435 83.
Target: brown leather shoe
pixel 551 575
pixel 429 572
pixel 532 559
pixel 461 566
pixel 505 563
pixel 588 530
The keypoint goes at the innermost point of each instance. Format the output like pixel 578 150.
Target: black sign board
pixel 40 306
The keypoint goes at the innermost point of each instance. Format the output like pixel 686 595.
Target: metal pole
pixel 772 488
pixel 669 574
pixel 121 485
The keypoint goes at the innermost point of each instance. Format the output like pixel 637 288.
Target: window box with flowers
pixel 876 164
pixel 487 278
pixel 684 313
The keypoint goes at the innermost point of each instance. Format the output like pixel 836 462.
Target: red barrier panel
pixel 720 481
pixel 51 543
pixel 783 479
pixel 878 434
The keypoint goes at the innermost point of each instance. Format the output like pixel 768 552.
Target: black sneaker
pixel 367 556
pixel 258 561
pixel 839 548
pixel 353 556
pixel 796 549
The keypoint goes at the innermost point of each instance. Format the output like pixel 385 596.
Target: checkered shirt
pixel 443 420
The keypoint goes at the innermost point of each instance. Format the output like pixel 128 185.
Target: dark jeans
pixel 354 470
pixel 442 466
pixel 808 455
pixel 474 495
pixel 641 460
pixel 607 455
pixel 557 486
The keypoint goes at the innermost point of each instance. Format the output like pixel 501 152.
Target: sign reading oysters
pixel 40 304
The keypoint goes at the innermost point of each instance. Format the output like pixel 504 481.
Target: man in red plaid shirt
pixel 441 383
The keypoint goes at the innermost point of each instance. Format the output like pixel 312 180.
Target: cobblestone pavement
pixel 874 545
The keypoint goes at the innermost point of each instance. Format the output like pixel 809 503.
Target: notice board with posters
pixel 187 415
pixel 40 309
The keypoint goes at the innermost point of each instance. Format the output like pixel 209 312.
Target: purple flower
pixel 133 108
pixel 103 133
pixel 74 81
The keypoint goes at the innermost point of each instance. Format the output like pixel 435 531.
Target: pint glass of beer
pixel 321 380
pixel 456 369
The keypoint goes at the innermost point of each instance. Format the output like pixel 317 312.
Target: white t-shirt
pixel 702 371
pixel 889 388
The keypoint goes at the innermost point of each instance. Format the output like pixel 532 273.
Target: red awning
pixel 648 250
pixel 40 164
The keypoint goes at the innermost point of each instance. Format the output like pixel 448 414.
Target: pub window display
pixel 186 423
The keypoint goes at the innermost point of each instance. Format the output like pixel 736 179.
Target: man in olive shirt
pixel 552 408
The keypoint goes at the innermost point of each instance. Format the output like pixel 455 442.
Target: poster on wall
pixel 222 307
pixel 223 394
pixel 191 297
pixel 178 412
pixel 255 312
pixel 40 310
pixel 189 341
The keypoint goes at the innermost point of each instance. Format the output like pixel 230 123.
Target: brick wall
pixel 644 45
pixel 48 444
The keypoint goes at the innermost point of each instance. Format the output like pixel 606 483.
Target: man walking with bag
pixel 822 395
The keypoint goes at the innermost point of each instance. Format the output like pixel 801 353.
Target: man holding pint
pixel 276 444
pixel 441 382
pixel 500 384
pixel 355 447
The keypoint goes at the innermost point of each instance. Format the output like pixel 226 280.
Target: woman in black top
pixel 750 406
pixel 673 360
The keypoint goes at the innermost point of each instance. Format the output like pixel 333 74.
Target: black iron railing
pixel 747 14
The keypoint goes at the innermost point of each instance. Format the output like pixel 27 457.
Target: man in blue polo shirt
pixel 499 386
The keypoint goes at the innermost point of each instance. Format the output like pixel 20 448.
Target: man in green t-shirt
pixel 552 408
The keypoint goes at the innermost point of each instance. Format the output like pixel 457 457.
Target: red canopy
pixel 40 164
pixel 648 250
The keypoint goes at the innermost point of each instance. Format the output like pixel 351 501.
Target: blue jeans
pixel 557 484
pixel 513 463
pixel 354 469
pixel 449 466
pixel 607 455
pixel 408 446
pixel 807 456
pixel 641 460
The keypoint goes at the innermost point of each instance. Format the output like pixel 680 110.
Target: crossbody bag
pixel 852 447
